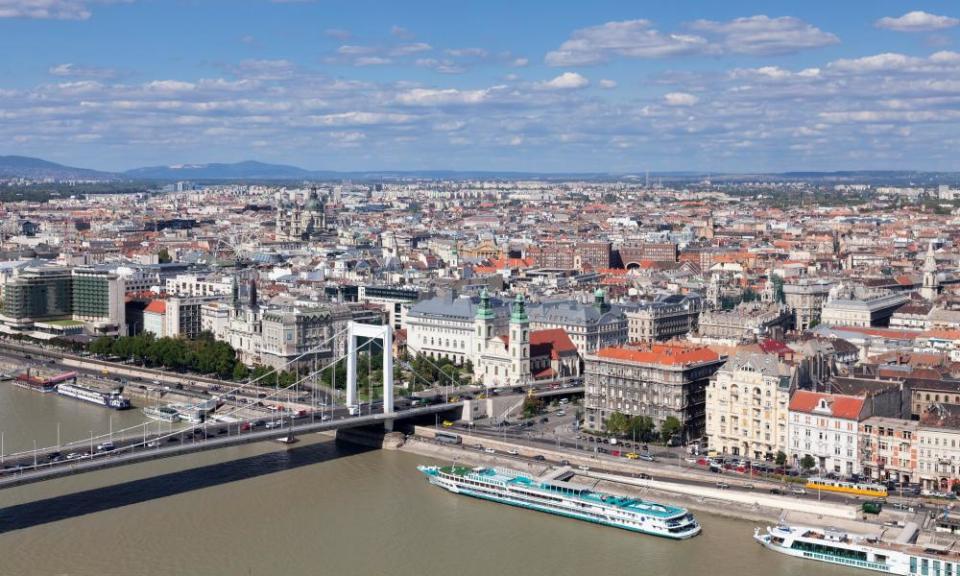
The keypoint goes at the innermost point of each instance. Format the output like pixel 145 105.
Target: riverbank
pixel 762 508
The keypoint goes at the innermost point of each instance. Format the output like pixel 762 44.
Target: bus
pixel 860 488
pixel 447 437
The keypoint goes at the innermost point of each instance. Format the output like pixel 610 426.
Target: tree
pixel 163 256
pixel 641 427
pixel 102 346
pixel 618 423
pixel 531 406
pixel 781 458
pixel 240 371
pixel 670 427
pixel 807 462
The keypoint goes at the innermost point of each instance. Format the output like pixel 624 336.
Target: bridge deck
pixel 139 452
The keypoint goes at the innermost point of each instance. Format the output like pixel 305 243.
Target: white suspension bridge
pixel 148 440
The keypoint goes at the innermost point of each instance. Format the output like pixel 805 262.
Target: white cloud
pixel 566 81
pixel 917 21
pixel 416 47
pixel 520 62
pixel 762 35
pixel 879 62
pixel 371 61
pixel 628 38
pixel 75 71
pixel 355 50
pixel 755 35
pixel 444 66
pixel 265 69
pixel 441 97
pixel 605 83
pixel 680 99
pixel 467 52
pixel 360 119
pixel 45 9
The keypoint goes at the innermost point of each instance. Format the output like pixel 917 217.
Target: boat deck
pixel 509 477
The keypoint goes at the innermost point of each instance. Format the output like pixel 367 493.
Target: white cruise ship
pixel 838 547
pixel 110 398
pixel 511 487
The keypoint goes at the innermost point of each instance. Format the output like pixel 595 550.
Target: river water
pixel 314 509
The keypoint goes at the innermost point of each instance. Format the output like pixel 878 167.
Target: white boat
pixel 512 487
pixel 856 551
pixel 112 398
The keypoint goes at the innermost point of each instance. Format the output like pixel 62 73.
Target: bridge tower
pixel 385 334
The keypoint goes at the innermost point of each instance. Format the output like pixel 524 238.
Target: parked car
pixel 647 457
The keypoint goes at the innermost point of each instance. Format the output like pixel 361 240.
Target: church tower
pixel 713 291
pixel 769 293
pixel 519 342
pixel 931 284
pixel 483 324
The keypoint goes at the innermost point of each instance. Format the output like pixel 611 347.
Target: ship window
pixel 913 564
pixel 924 567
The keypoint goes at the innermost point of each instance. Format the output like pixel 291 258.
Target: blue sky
pixel 537 86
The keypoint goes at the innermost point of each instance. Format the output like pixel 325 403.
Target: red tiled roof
pixel 770 346
pixel 846 407
pixel 157 307
pixel 667 354
pixel 554 341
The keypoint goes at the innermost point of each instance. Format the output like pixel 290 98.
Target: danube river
pixel 314 509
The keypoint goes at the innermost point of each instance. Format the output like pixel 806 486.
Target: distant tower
pixel 713 291
pixel 252 294
pixel 519 342
pixel 600 300
pixel 235 292
pixel 931 284
pixel 769 293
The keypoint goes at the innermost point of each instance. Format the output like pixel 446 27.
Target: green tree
pixel 781 458
pixel 807 462
pixel 102 346
pixel 670 427
pixel 240 371
pixel 531 406
pixel 641 427
pixel 163 256
pixel 618 423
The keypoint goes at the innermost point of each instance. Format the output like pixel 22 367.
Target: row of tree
pixel 203 354
pixel 642 428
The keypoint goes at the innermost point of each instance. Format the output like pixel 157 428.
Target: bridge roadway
pixel 29 468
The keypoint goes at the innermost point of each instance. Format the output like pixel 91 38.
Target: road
pixel 94 454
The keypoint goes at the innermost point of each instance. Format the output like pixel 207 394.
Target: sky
pixel 558 86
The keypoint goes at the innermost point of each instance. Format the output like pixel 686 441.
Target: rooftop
pixel 661 354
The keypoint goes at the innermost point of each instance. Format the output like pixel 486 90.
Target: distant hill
pixel 248 170
pixel 37 169
pixel 252 171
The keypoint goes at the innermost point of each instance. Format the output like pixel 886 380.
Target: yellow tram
pixel 859 488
